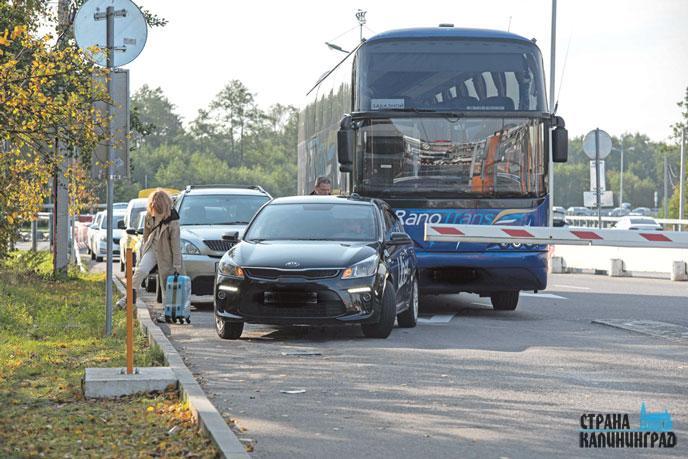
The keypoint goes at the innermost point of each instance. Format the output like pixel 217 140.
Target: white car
pixel 638 223
pixel 99 239
pixel 93 229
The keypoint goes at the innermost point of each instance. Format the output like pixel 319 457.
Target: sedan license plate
pixel 290 298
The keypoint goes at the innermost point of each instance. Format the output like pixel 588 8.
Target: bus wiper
pixel 232 223
pixel 409 110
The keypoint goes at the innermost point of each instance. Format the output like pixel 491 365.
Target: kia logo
pixel 292 264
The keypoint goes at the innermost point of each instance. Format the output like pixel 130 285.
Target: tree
pixel 45 93
pixel 153 118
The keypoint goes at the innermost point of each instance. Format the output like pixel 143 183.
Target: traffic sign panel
pixel 605 144
pixel 130 32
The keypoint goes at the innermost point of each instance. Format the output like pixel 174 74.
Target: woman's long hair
pixel 160 204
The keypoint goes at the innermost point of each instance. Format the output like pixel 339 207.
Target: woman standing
pixel 161 244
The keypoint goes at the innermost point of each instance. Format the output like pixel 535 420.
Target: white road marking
pixel 436 319
pixel 571 286
pixel 544 295
pixel 481 304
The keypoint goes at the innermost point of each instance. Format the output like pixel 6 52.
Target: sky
pixel 621 65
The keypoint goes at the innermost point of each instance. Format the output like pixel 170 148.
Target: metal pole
pixel 130 312
pixel 552 71
pixel 110 43
pixel 621 178
pixel 597 177
pixel 682 179
pixel 666 189
pixel 34 234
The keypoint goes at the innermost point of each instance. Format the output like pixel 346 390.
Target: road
pixel 467 382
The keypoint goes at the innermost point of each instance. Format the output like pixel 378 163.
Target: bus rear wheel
pixel 504 301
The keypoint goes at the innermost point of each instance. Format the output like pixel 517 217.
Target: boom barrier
pixel 436 232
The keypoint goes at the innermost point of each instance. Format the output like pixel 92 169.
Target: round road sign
pixel 605 144
pixel 130 30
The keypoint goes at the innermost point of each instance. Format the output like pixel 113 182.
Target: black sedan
pixel 319 260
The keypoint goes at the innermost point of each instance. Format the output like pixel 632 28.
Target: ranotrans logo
pixel 600 430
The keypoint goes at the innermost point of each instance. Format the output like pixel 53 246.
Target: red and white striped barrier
pixel 437 232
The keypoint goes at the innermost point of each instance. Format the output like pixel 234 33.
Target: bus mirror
pixel 560 142
pixel 345 168
pixel 345 143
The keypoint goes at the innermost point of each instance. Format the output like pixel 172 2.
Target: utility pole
pixel 61 187
pixel 552 71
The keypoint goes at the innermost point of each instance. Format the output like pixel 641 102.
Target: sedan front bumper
pixel 297 301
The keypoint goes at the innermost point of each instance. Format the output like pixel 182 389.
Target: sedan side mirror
pixel 345 144
pixel 131 231
pixel 231 237
pixel 560 142
pixel 139 231
pixel 121 225
pixel 399 238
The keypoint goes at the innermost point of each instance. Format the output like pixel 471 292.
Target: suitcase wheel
pixel 188 320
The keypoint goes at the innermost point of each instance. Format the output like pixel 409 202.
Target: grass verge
pixel 50 330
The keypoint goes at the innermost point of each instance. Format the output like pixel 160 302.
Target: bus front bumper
pixel 481 272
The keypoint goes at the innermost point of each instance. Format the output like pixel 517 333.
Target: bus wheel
pixel 504 301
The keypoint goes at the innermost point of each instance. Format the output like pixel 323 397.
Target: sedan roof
pixel 313 199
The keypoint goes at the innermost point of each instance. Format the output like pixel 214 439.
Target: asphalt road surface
pixel 467 382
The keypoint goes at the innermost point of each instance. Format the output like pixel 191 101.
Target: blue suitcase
pixel 178 299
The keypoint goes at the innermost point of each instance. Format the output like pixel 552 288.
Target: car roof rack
pixel 226 185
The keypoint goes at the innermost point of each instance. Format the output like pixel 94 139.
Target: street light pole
pixel 682 179
pixel 552 69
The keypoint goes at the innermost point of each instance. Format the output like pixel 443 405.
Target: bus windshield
pixel 450 157
pixel 450 75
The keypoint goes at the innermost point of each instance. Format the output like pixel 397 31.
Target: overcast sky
pixel 627 62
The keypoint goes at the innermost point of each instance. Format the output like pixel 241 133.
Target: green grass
pixel 50 330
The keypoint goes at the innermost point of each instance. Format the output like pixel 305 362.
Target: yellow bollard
pixel 130 313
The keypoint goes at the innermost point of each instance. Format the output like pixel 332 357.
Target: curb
pixel 202 409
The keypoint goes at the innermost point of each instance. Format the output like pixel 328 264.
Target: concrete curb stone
pixel 203 410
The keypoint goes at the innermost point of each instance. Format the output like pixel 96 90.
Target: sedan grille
pixel 266 273
pixel 219 246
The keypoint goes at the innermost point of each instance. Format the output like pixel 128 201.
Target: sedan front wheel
pixel 228 330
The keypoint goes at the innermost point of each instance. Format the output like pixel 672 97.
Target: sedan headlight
pixel 229 269
pixel 365 268
pixel 189 249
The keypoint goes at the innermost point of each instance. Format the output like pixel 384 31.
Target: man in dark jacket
pixel 323 186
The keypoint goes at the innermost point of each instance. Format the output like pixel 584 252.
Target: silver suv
pixel 210 218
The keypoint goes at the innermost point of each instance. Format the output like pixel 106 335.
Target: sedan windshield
pixel 314 222
pixel 221 209
pixel 450 157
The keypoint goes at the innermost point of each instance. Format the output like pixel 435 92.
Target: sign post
pixel 597 145
pixel 122 45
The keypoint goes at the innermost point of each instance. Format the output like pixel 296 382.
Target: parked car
pixel 319 260
pixel 638 223
pixel 119 205
pixel 208 217
pixel 558 216
pixel 619 212
pixel 99 241
pixel 131 218
pixel 642 211
pixel 93 230
pixel 578 211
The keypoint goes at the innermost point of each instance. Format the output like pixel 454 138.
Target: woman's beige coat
pixel 164 240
